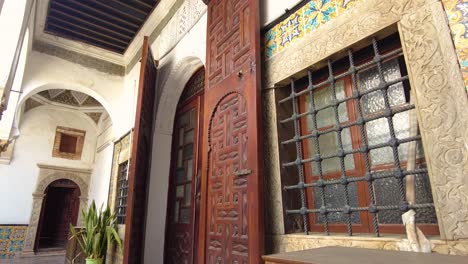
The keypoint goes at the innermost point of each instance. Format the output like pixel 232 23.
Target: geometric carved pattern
pixel 195 85
pixel 69 97
pixel 227 227
pixel 30 104
pixel 229 38
pixel 95 116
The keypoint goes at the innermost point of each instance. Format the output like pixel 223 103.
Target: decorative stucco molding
pixel 47 175
pixel 441 105
pixel 435 77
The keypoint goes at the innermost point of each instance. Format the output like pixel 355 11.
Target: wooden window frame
pixel 80 137
pixel 365 225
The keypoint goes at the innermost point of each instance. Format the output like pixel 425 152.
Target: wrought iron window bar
pixel 122 194
pixel 370 176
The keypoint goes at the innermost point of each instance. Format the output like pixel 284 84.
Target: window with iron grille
pixel 122 192
pixel 351 152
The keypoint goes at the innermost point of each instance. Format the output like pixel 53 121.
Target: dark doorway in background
pixel 60 208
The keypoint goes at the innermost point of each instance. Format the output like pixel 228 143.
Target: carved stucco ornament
pixel 441 103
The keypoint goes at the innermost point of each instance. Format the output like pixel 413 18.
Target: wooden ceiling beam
pixel 136 26
pixel 85 28
pixel 118 47
pixel 131 7
pixel 89 23
pixel 144 3
pixel 98 19
pixel 118 11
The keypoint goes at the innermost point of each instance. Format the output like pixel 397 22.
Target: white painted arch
pixel 68 86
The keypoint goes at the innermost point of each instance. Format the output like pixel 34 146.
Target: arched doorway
pixel 184 183
pixel 60 208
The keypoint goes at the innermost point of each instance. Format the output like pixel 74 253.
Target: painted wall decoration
pixel 11 240
pixel 457 14
pixel 307 19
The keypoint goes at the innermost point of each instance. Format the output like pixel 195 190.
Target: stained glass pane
pixel 188 151
pixel 189 169
pixel 328 145
pixel 387 193
pixel 335 198
pixel 179 158
pixel 369 79
pixel 183 120
pixel 185 215
pixel 188 138
pixel 378 132
pixel 188 194
pixel 322 98
pixel 180 175
pixel 181 137
pixel 180 191
pixel 192 118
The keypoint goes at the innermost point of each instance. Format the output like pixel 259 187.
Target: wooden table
pixel 340 255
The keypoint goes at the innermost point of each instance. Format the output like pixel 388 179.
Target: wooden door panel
pixel 181 238
pixel 228 238
pixel 232 211
pixel 140 161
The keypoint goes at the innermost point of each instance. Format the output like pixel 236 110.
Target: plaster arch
pixel 69 86
pixel 42 186
pixel 173 87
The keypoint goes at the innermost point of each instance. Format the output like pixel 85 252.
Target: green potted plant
pixel 99 231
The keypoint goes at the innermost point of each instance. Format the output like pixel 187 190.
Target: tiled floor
pixel 35 260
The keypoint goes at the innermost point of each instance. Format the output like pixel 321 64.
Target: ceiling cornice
pixel 88 61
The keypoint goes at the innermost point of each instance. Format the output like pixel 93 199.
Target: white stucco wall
pixel 272 9
pixel 34 145
pixel 10 25
pixel 100 177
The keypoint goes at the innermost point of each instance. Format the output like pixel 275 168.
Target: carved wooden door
pixel 181 233
pixel 140 162
pixel 232 211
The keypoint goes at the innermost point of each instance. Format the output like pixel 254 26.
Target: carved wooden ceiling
pixel 108 24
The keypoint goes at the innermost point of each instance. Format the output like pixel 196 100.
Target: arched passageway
pixel 60 208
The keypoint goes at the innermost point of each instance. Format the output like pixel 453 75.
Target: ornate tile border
pixel 307 19
pixel 11 240
pixel 457 14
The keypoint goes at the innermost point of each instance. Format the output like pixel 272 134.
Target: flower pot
pixel 94 261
